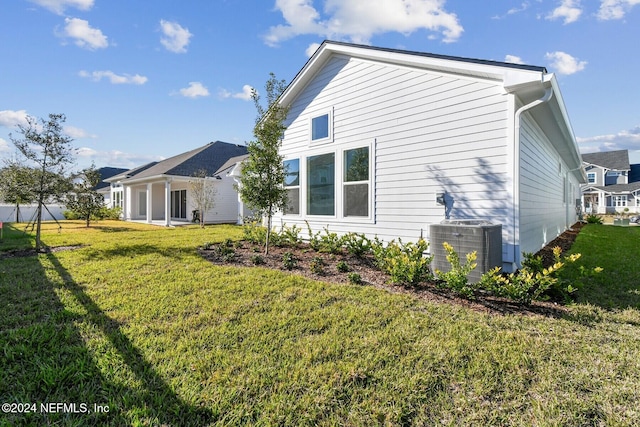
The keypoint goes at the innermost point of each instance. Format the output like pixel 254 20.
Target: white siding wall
pixel 547 190
pixel 427 132
pixel 225 209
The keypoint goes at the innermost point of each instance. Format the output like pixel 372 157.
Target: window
pixel 591 177
pixel 619 201
pixel 321 184
pixel 179 204
pixel 117 199
pixel 321 128
pixel 292 184
pixel 356 182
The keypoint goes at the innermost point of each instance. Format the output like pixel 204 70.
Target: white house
pixel 613 184
pixel 376 136
pixel 161 192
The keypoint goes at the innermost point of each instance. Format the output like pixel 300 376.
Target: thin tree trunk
pixel 266 245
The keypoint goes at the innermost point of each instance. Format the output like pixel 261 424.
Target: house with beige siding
pixel 386 142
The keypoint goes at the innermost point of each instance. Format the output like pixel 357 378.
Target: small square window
pixel 320 127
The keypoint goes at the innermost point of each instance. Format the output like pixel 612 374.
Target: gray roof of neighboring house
pixel 618 188
pixel 230 163
pixel 614 160
pixel 210 158
pixel 106 173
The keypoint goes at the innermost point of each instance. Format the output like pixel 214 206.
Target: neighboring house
pixel 374 137
pixel 612 183
pixel 161 191
pixel 104 187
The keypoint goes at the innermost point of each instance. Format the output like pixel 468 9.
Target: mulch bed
pixel 246 253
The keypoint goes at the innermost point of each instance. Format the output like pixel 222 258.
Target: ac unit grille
pixel 486 240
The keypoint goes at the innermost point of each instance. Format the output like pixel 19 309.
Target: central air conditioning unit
pixel 467 236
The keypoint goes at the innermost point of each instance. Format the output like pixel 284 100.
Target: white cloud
pixel 245 95
pixel 564 63
pixel 4 146
pixel 312 49
pixel 615 9
pixel 569 10
pixel 194 90
pixel 357 22
pixel 77 133
pixel 623 140
pixel 84 35
pixel 58 6
pixel 176 38
pixel 114 78
pixel 513 59
pixel 10 118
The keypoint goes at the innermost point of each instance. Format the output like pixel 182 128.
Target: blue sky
pixel 145 80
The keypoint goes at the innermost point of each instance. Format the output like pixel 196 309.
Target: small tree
pixel 17 185
pixel 44 145
pixel 262 180
pixel 203 192
pixel 84 200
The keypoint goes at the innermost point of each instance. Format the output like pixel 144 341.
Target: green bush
pixel 70 215
pixel 289 236
pixel 257 260
pixel 253 231
pixel 317 265
pixel 110 213
pixel 456 278
pixel 342 267
pixel 533 281
pixel 357 244
pixel 355 278
pixel 405 263
pixel 289 261
pixel 594 219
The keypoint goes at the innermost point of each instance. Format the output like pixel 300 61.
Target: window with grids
pixel 321 184
pixel 356 182
pixel 292 184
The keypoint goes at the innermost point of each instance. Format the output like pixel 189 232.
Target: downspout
pixel 548 94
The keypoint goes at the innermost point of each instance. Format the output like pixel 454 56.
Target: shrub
pixel 532 281
pixel 314 238
pixel 257 260
pixel 405 263
pixel 456 278
pixel 70 215
pixel 289 236
pixel 317 265
pixel 289 261
pixel 330 242
pixel 594 219
pixel 357 244
pixel 225 250
pixel 342 267
pixel 355 278
pixel 110 213
pixel 253 231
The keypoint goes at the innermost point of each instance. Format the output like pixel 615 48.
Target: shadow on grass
pixel 43 358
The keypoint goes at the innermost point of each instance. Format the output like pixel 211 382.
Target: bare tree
pixel 204 193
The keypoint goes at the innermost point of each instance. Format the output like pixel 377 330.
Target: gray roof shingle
pixel 614 160
pixel 209 158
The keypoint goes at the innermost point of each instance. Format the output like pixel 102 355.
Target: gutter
pixel 548 94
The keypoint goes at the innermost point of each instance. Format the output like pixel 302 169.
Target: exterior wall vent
pixel 467 236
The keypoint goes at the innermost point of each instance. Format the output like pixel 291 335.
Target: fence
pixel 27 212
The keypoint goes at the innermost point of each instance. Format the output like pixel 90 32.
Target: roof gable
pixel 613 160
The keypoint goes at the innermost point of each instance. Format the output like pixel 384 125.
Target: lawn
pixel 132 321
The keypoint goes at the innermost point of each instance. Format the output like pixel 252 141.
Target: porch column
pixel 149 203
pixel 125 202
pixel 167 203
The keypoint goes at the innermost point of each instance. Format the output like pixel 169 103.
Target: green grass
pixel 135 320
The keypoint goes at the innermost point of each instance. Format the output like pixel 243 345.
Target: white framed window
pixel 619 201
pixel 591 177
pixel 117 199
pixel 321 128
pixel 356 184
pixel 321 184
pixel 292 184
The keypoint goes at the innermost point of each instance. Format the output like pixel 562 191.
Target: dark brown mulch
pixel 245 254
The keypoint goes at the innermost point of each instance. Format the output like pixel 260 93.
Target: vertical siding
pixel 430 133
